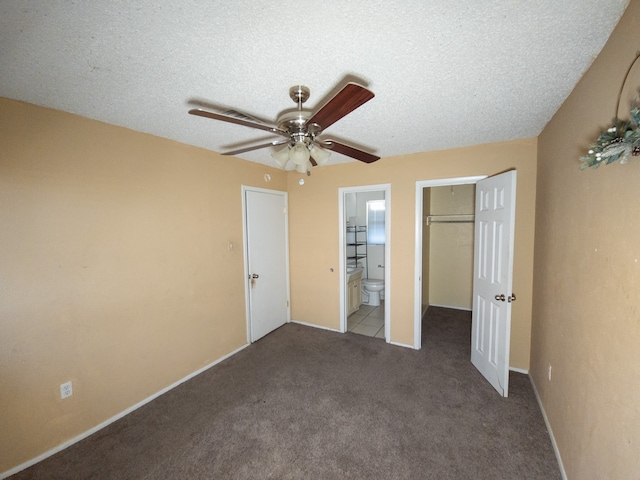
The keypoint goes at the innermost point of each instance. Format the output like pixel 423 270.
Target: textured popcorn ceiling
pixel 445 74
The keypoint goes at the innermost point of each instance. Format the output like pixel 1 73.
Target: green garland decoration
pixel 619 142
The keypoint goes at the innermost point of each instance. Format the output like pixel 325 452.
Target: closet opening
pixel 444 246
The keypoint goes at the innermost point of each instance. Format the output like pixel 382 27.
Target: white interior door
pixel 267 261
pixel 492 278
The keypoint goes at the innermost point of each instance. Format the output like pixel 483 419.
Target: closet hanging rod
pixel 452 218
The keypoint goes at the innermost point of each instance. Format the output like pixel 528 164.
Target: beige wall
pixel 426 208
pixel 313 218
pixel 115 274
pixel 451 248
pixel 586 316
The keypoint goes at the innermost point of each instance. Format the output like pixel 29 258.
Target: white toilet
pixel 371 288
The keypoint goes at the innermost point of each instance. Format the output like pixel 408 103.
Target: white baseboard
pixel 519 370
pixel 546 422
pixel 449 306
pixel 398 344
pixel 116 417
pixel 315 326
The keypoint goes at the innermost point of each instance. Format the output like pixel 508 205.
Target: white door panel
pixel 493 275
pixel 267 261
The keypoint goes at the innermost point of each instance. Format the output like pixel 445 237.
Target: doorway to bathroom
pixel 364 246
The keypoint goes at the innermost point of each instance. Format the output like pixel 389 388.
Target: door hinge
pixel 287 303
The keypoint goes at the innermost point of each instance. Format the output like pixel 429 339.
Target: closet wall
pixel 426 208
pixel 450 246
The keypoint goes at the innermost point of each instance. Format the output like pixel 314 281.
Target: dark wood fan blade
pixel 350 151
pixel 344 102
pixel 256 147
pixel 237 121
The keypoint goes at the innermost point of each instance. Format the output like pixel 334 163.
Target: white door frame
pixel 342 222
pixel 420 186
pixel 245 243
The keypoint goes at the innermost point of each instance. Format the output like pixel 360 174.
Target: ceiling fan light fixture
pixel 281 157
pixel 299 154
pixel 320 155
pixel 303 168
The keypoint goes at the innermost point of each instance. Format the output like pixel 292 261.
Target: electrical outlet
pixel 549 373
pixel 66 389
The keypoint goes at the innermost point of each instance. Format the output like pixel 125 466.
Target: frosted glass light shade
pixel 281 157
pixel 299 154
pixel 320 155
pixel 303 168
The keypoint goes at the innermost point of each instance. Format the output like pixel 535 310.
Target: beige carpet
pixel 304 403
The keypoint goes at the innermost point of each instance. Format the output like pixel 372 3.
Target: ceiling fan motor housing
pixel 295 123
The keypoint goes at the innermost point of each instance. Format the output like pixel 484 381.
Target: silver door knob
pixel 255 275
pixel 501 298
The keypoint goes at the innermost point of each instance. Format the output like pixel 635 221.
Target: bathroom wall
pixel 451 248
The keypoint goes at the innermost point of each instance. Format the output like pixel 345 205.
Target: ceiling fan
pixel 302 128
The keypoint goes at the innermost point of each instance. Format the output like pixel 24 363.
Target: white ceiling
pixel 445 74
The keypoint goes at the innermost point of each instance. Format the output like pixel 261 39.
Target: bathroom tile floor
pixel 367 321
